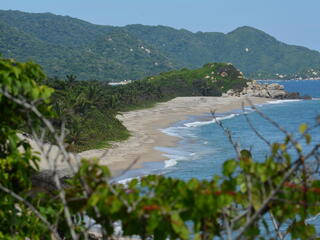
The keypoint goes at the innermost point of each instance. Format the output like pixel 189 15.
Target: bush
pixel 236 205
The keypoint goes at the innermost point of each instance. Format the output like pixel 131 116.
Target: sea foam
pixel 198 123
pixel 172 131
pixel 170 163
pixel 284 101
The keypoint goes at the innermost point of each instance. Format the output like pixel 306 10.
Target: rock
pixel 264 93
pixel 275 86
pixel 273 90
pixel 278 94
pixel 293 95
pixel 230 92
pixel 306 97
pixel 224 74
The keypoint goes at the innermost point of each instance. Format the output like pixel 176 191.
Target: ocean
pixel 203 146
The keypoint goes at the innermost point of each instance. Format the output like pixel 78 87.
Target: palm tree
pixel 74 137
pixel 71 79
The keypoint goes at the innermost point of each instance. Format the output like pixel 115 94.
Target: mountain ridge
pixel 66 45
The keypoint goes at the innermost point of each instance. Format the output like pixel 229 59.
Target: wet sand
pixel 145 127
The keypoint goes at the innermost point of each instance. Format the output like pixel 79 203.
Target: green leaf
pixel 262 172
pixel 179 226
pixel 16 71
pixel 94 199
pixel 229 167
pixel 243 187
pixel 246 156
pixel 197 236
pixel 275 148
pixel 193 184
pixel 115 205
pixel 303 128
pixel 256 201
pixel 283 147
pixel 298 147
pixel 308 138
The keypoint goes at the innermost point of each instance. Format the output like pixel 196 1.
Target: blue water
pixel 204 147
pixel 310 87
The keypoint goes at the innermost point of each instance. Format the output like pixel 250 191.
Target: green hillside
pixel 65 45
pixel 249 49
pixel 89 107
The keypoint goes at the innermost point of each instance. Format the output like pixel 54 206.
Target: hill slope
pixel 65 45
pixel 250 49
pixel 90 107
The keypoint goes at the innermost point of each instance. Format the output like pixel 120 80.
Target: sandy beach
pixel 145 127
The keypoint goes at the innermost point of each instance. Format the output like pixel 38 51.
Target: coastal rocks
pixel 306 97
pixel 273 90
pixel 273 86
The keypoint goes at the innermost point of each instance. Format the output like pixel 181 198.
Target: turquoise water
pixel 204 147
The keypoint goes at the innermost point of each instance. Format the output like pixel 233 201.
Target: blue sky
pixel 292 21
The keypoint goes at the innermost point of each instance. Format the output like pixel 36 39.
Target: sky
pixel 291 21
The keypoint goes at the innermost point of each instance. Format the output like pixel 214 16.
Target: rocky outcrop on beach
pixel 273 90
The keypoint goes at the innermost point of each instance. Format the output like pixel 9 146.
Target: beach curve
pixel 145 127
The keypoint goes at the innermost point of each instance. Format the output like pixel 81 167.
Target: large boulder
pixel 274 86
pixel 293 95
pixel 278 94
pixel 273 90
pixel 230 92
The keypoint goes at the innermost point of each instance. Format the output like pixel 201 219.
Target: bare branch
pixel 264 205
pixel 276 227
pixel 227 225
pixel 254 129
pixel 129 167
pixel 51 129
pixel 278 126
pixel 228 133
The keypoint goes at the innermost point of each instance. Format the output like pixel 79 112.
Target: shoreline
pixel 145 127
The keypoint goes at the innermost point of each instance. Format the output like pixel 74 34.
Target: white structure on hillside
pixel 124 82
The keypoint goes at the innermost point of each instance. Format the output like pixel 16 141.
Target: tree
pixel 18 163
pixel 236 205
pixel 71 79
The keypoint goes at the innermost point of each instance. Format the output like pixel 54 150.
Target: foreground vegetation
pixel 89 108
pixel 237 205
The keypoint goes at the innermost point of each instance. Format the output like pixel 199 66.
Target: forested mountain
pixel 253 51
pixel 65 45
